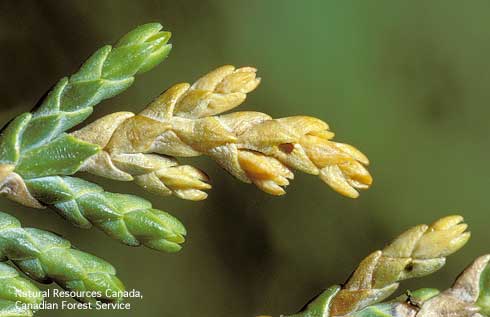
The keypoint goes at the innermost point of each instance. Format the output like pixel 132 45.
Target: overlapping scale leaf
pixel 16 291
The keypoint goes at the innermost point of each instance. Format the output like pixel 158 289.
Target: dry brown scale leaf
pixel 186 121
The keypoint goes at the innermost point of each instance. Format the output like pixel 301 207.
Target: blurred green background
pixel 405 81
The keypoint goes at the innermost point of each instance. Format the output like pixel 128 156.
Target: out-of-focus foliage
pixel 407 82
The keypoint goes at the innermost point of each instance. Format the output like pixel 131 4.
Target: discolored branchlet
pixel 187 120
pixel 419 251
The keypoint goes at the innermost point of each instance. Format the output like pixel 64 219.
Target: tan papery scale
pixel 185 121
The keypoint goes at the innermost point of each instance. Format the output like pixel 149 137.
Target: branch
pixel 468 297
pixel 129 219
pixel 420 251
pixel 35 145
pixel 252 146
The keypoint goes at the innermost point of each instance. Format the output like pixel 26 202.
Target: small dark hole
pixel 409 268
pixel 286 147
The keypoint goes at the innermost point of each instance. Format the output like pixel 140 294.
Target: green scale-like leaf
pixel 320 306
pixel 484 297
pixel 63 156
pixel 10 139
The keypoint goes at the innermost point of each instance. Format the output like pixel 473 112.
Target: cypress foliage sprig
pixel 46 257
pixel 127 218
pixel 36 152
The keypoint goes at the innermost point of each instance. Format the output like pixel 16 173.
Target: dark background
pixel 405 81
